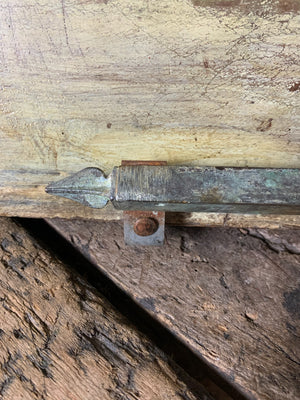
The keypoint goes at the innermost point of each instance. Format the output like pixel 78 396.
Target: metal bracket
pixel 144 228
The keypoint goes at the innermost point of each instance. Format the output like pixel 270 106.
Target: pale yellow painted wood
pixel 89 83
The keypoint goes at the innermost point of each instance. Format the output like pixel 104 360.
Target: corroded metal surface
pixel 144 228
pixel 207 189
pixel 133 237
pixel 89 187
pixel 186 189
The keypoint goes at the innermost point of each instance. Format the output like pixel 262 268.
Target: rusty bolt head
pixel 145 226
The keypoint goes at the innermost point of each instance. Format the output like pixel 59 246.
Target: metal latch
pixel 148 188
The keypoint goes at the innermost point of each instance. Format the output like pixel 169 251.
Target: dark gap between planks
pixel 188 359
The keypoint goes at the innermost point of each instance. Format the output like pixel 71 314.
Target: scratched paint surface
pixel 89 83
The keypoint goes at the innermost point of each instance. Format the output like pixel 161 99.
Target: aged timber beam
pixel 186 189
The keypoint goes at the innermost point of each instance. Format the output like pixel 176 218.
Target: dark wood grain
pixel 61 339
pixel 232 295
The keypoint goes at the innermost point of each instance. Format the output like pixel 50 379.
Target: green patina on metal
pixel 186 189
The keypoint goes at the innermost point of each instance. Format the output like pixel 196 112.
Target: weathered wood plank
pixel 230 296
pixel 61 339
pixel 89 83
pixel 233 220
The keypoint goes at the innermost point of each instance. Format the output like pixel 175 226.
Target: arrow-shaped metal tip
pixel 89 187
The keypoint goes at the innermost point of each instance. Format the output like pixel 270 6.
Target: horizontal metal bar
pixel 206 189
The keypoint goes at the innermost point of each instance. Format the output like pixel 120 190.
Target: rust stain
pixel 205 64
pixel 145 226
pixel 144 223
pixel 255 6
pixel 265 125
pixel 295 86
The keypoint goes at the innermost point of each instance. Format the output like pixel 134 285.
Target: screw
pixel 145 226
